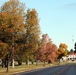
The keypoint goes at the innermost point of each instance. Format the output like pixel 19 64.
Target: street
pixel 68 69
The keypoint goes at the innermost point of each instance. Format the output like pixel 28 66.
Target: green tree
pixel 75 47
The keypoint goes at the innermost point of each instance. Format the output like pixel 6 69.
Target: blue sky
pixel 57 19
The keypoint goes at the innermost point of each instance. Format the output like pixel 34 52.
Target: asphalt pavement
pixel 68 69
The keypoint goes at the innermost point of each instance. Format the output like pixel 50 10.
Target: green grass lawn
pixel 25 67
pixel 21 68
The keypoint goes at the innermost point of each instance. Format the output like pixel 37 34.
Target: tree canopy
pixel 63 50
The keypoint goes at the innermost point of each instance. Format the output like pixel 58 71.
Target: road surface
pixel 68 69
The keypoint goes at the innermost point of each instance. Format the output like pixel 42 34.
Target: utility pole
pixel 73 45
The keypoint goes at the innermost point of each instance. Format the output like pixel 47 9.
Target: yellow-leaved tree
pixel 32 33
pixel 12 15
pixel 62 51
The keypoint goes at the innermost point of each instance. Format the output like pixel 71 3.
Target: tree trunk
pixel 7 61
pixel 37 62
pixel 28 62
pixel 19 63
pixel 32 62
pixel 2 63
pixel 44 63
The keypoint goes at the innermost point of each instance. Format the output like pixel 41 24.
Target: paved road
pixel 69 69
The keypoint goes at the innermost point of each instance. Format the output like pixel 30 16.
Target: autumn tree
pixel 47 50
pixel 20 31
pixel 62 51
pixel 11 22
pixel 32 33
pixel 41 52
pixel 51 51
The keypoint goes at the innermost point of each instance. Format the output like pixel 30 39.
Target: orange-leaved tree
pixel 47 50
pixel 12 24
pixel 62 51
pixel 32 33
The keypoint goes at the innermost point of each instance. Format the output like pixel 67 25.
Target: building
pixel 72 56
